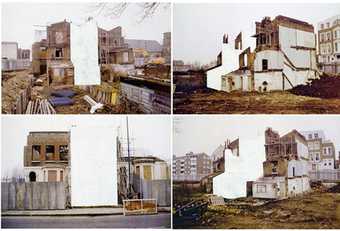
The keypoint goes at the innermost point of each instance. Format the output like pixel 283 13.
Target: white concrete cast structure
pixel 84 53
pixel 93 166
pixel 239 170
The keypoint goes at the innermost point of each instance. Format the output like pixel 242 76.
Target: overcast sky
pixel 18 20
pixel 198 28
pixel 205 133
pixel 151 134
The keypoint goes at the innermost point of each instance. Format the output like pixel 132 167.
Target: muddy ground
pixel 278 102
pixel 319 209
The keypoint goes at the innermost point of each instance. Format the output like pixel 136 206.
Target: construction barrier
pixel 139 206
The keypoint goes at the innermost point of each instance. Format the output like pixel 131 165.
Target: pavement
pixel 73 212
pixel 160 220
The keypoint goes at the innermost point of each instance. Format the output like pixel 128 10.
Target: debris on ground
pixel 276 102
pixel 325 87
pixel 317 209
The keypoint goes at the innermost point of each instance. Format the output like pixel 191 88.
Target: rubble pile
pixel 325 87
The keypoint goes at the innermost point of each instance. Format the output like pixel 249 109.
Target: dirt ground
pixel 14 82
pixel 214 102
pixel 313 211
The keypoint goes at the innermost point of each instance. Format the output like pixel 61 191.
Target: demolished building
pixel 227 61
pixel 112 47
pixel 59 65
pixel 46 157
pixel 285 170
pixel 284 57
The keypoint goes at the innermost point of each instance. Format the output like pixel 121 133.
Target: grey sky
pixel 18 20
pixel 205 133
pixel 198 28
pixel 151 133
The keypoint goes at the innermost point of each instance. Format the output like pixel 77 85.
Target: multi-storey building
pixel 59 65
pixel 192 165
pixel 285 54
pixel 46 156
pixel 329 45
pixel 112 47
pixel 285 171
pixel 321 151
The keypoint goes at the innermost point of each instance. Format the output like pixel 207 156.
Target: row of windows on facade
pixel 327 48
pixel 328 24
pixel 326 36
pixel 50 152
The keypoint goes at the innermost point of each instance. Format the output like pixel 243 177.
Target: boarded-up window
pixel 147 172
pixel 52 175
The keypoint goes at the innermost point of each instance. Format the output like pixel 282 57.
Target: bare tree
pixel 115 10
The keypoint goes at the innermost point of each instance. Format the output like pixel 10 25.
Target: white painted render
pixel 242 82
pixel 302 150
pixel 298 185
pixel 326 164
pixel 84 53
pixel 93 166
pixel 239 170
pixel 269 188
pixel 286 61
pixel 39 173
pixel 229 63
pixel 298 167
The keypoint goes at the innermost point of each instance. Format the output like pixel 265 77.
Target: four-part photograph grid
pixel 170 115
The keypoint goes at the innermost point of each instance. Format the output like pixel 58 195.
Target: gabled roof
pixel 148 45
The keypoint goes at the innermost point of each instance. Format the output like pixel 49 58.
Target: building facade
pixel 329 45
pixel 59 66
pixel 285 171
pixel 46 156
pixel 112 47
pixel 321 151
pixel 285 54
pixel 192 166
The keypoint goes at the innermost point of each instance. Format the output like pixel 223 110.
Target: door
pixel 147 172
pixel 52 176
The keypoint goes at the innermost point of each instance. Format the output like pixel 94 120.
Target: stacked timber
pixel 40 106
pixel 105 94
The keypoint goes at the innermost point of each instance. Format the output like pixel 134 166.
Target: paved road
pixel 161 220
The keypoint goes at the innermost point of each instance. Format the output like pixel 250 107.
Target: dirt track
pixel 213 102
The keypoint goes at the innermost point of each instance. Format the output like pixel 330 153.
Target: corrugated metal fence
pixel 154 189
pixel 327 175
pixel 33 196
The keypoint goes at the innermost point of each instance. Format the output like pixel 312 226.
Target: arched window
pixel 32 176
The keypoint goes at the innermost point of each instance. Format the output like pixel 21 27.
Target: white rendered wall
pixel 298 185
pixel 229 63
pixel 39 173
pixel 301 168
pixel 324 164
pixel 302 150
pixel 84 53
pixel 293 37
pixel 273 79
pixel 239 170
pixel 93 166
